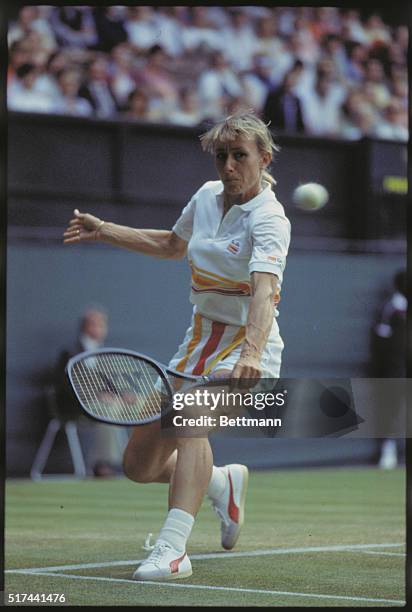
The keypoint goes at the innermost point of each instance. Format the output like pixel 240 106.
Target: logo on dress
pixel 234 246
pixel 277 260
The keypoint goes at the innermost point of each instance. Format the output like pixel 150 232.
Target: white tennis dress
pixel 222 253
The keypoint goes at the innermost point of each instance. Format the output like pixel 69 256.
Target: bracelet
pixel 98 228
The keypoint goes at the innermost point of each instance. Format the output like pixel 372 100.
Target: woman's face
pixel 69 83
pixel 239 164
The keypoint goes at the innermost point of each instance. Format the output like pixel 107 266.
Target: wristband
pixel 99 227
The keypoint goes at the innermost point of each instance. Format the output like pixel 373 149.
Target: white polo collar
pixel 254 202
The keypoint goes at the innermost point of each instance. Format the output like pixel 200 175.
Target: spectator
pixel 260 45
pixel 97 90
pixel 310 74
pixel 352 27
pixel 391 330
pixel 219 16
pixel 47 80
pixel 284 61
pixel 18 55
pixel 395 123
pixel 74 26
pixel 399 90
pixel 239 41
pixel 22 94
pixel 138 107
pixel 325 22
pixel 24 24
pixel 188 112
pixel 332 48
pixel 170 22
pixel 358 117
pixel 398 71
pixel 30 19
pixel 103 450
pixel 159 84
pixel 321 107
pixel 217 85
pixel 401 38
pixel 257 82
pixel 110 27
pixel 356 60
pixel 286 20
pixel 375 84
pixel 388 358
pixel 69 102
pixel 201 33
pixel 121 72
pixel 267 39
pixel 396 53
pixel 142 29
pixel 282 107
pixel 375 31
pixel 308 49
pixel 32 47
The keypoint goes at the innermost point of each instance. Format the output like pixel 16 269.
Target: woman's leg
pixel 192 473
pixel 186 463
pixel 149 456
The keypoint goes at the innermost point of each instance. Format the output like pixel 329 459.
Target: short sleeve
pixel 270 234
pixel 184 225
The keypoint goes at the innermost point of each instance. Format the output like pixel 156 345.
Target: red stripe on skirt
pixel 210 346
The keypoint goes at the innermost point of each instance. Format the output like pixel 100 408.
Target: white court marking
pixel 220 588
pixel 384 553
pixel 220 555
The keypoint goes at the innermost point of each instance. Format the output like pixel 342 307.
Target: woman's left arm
pixel 258 326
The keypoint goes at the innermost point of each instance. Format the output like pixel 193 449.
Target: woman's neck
pixel 228 202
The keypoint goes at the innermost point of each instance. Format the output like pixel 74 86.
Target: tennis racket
pixel 123 387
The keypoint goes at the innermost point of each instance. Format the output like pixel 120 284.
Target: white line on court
pixel 221 588
pixel 220 555
pixel 384 553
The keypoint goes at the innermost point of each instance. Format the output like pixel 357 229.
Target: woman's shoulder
pixel 269 207
pixel 210 188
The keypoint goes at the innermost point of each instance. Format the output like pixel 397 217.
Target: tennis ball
pixel 310 196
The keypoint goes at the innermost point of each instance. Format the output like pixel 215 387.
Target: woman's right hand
pixel 82 227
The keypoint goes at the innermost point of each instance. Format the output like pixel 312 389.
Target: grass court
pixel 320 537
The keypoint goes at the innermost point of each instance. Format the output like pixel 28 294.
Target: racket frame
pixel 161 369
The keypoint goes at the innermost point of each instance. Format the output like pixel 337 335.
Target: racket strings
pixel 117 387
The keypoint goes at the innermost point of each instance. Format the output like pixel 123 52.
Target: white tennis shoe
pixel 230 507
pixel 164 563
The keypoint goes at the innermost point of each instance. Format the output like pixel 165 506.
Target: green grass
pixel 94 521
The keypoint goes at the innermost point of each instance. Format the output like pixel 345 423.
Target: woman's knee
pixel 136 470
pixel 144 460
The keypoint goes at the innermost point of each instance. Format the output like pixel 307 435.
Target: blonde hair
pixel 245 124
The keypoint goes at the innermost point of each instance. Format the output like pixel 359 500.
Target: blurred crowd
pixel 322 71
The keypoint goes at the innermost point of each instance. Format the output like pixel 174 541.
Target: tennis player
pixel 236 237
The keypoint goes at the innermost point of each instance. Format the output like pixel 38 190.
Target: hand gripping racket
pixel 123 387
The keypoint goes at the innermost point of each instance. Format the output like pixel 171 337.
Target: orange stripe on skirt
pixel 197 334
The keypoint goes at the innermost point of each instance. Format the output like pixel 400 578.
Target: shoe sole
pixel 241 507
pixel 175 576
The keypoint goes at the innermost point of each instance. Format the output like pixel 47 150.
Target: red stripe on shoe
pixel 210 346
pixel 174 565
pixel 232 509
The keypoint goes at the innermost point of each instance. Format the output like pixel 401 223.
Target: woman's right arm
pixel 164 244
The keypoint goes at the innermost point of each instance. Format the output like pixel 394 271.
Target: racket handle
pixel 215 379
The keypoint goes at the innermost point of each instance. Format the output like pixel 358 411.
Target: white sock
pixel 176 529
pixel 217 483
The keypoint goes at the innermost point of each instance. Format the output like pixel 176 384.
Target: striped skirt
pixel 209 346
